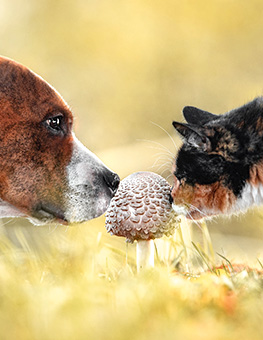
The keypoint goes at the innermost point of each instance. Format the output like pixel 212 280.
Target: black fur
pixel 194 115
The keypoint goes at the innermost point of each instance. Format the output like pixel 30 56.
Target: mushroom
pixel 141 210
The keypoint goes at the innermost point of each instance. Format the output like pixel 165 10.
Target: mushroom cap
pixel 141 209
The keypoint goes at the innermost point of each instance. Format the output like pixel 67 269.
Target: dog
pixel 46 174
pixel 219 167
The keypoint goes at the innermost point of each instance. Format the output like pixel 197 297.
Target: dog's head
pixel 219 168
pixel 45 172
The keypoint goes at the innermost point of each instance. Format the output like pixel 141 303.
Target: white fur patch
pixel 179 209
pixel 251 195
pixel 87 196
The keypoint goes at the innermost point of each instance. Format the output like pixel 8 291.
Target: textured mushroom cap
pixel 140 209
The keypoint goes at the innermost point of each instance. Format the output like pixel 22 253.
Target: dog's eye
pixel 55 124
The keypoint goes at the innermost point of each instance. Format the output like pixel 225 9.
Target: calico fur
pixel 219 168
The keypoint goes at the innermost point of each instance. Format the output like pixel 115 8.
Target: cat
pixel 219 167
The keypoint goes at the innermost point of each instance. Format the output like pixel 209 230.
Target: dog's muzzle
pixel 89 188
pixel 91 185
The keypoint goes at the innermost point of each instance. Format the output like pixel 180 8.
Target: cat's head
pixel 220 161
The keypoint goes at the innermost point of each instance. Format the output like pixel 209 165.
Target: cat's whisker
pixel 163 172
pixel 166 167
pixel 159 163
pixel 201 212
pixel 165 164
pixel 165 155
pixel 162 169
pixel 66 228
pixel 194 221
pixel 168 177
pixel 161 147
pixel 168 134
pixel 163 150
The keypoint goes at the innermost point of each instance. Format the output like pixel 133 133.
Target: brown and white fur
pixel 45 172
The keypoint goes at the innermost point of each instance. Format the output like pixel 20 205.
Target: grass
pixel 80 283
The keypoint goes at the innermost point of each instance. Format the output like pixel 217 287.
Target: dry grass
pixel 81 283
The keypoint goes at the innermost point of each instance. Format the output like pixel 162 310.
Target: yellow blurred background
pixel 127 68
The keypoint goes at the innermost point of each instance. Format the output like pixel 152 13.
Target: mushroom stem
pixel 145 254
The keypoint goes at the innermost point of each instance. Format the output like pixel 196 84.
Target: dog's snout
pixel 112 180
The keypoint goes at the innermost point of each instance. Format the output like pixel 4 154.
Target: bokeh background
pixel 127 68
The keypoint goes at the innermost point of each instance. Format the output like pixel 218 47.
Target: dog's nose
pixel 112 180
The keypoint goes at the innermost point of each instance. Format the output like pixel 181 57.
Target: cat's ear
pixel 195 116
pixel 193 135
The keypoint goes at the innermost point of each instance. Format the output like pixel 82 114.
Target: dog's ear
pixel 193 135
pixel 195 116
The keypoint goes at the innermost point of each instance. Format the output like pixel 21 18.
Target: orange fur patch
pixel 214 197
pixel 256 174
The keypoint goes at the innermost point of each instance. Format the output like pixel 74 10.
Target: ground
pixel 80 283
